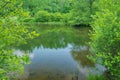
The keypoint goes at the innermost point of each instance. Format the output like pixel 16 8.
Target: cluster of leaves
pixel 10 64
pixel 62 6
pixel 45 16
pixel 10 7
pixel 12 33
pixel 105 38
pixel 81 12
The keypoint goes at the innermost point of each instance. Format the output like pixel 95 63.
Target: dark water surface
pixel 59 53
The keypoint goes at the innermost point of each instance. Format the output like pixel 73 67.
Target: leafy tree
pixel 42 16
pixel 12 33
pixel 45 16
pixel 62 6
pixel 56 17
pixel 10 7
pixel 105 38
pixel 81 12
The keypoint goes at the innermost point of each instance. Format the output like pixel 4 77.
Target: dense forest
pixel 74 12
pixel 102 16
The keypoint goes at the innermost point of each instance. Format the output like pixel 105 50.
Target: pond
pixel 59 53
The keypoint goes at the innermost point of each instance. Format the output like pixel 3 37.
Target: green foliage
pixel 42 16
pixel 62 6
pixel 47 10
pixel 56 17
pixel 95 77
pixel 9 63
pixel 28 19
pixel 105 38
pixel 81 12
pixel 10 7
pixel 12 33
pixel 66 18
pixel 68 11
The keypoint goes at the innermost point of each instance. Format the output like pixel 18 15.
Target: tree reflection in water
pixel 64 46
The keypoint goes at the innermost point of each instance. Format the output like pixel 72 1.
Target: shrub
pixel 66 17
pixel 57 17
pixel 105 38
pixel 42 16
pixel 12 33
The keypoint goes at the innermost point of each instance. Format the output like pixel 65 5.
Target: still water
pixel 59 53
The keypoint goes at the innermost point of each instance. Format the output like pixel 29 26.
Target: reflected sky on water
pixel 59 53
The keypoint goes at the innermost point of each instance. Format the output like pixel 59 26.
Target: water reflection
pixel 80 55
pixel 59 53
pixel 56 37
